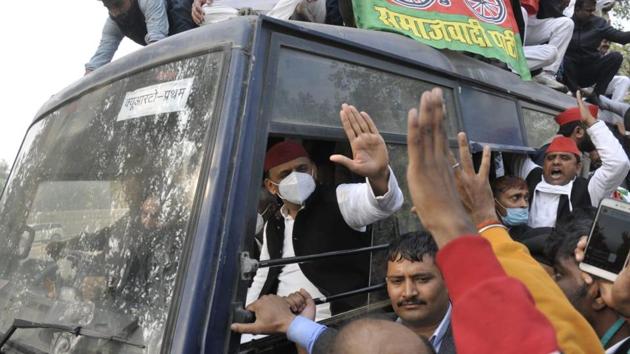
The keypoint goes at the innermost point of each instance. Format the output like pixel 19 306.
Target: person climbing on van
pixel 142 21
pixel 316 218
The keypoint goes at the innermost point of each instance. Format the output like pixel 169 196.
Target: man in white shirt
pixel 317 218
pixel 556 189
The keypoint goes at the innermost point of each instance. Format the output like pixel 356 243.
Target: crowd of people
pixel 497 273
pixel 496 270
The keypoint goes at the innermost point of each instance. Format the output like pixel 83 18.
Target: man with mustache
pixel 556 189
pixel 416 290
pixel 570 125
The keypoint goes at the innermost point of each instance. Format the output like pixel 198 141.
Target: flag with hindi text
pixel 484 27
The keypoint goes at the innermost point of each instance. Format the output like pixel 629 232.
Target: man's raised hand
pixel 430 174
pixel 369 153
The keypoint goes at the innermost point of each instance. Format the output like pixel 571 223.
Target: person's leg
pixel 570 74
pixel 539 56
pixel 179 18
pixel 559 32
pixel 333 15
pixel 525 18
pixel 347 13
pixel 618 87
pixel 606 68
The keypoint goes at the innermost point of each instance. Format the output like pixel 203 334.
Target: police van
pixel 153 167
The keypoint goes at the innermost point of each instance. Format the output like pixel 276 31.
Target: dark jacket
pixel 319 227
pixel 587 36
pixel 132 24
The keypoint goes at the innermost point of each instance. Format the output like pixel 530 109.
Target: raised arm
pixel 614 35
pixel 156 19
pixel 364 203
pixel 110 40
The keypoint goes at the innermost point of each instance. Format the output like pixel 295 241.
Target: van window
pixel 310 89
pixel 106 184
pixel 482 110
pixel 540 127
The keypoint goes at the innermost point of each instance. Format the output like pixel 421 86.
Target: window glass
pixel 490 119
pixel 540 127
pixel 96 211
pixel 310 89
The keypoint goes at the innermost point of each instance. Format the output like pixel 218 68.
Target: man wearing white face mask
pixel 316 218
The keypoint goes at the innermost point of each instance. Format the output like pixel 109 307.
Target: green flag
pixel 484 27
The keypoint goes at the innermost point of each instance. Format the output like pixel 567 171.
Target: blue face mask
pixel 515 216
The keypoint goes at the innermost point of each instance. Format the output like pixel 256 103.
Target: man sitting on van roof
pixel 317 218
pixel 556 189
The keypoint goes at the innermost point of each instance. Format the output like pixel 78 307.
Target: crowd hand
pixel 430 174
pixel 302 303
pixel 585 115
pixel 273 315
pixel 369 153
pixel 474 188
pixel 197 11
pixel 616 295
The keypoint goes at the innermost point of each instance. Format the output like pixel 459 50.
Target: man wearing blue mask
pixel 511 199
pixel 317 218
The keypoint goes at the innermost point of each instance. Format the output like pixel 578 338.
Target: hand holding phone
pixel 608 245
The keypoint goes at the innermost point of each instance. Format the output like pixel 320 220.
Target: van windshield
pixel 95 214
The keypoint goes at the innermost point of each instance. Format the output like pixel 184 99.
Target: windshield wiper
pixel 76 330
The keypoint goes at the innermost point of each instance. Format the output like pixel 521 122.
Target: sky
pixel 45 48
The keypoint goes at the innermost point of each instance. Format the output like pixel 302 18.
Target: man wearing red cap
pixel 556 190
pixel 570 125
pixel 316 218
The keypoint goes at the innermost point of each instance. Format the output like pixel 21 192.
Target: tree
pixel 620 15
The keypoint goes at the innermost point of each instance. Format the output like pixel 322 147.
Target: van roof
pixel 241 31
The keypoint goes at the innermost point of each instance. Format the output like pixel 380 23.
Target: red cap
pixel 573 114
pixel 283 152
pixel 563 144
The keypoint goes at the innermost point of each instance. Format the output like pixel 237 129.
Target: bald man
pixel 372 336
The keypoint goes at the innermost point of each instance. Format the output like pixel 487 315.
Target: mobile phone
pixel 608 244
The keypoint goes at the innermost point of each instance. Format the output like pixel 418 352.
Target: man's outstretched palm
pixel 369 153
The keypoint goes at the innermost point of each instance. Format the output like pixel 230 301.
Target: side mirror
pixel 27 235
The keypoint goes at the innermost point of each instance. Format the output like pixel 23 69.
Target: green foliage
pixel 625 51
pixel 621 15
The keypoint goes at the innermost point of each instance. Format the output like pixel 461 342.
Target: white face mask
pixel 296 187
